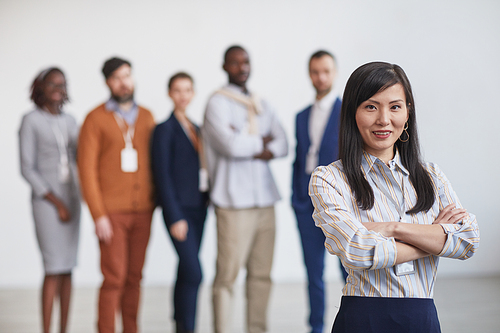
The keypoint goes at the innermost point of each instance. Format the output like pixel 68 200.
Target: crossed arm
pixel 415 241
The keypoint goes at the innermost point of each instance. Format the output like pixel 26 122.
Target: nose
pixel 383 118
pixel 244 67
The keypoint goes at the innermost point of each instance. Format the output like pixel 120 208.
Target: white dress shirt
pixel 237 179
pixel 318 118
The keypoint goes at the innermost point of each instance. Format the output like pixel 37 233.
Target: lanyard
pixel 128 134
pixel 399 207
pixel 60 139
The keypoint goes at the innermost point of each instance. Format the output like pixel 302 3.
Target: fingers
pixel 179 236
pixel 451 215
pixel 104 230
pixel 179 230
pixel 105 236
pixel 64 215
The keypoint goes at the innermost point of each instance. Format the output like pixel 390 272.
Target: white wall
pixel 448 48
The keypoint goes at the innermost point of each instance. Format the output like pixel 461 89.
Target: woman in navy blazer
pixel 176 146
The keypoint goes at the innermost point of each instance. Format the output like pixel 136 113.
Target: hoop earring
pixel 407 135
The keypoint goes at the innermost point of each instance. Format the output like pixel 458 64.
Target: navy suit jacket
pixel 328 152
pixel 176 166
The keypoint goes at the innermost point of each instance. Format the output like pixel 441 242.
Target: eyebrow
pixel 391 102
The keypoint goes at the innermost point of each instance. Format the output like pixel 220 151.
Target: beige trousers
pixel 245 238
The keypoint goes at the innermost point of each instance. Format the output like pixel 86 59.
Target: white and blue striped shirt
pixel 368 256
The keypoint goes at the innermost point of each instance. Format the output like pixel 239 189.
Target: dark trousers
pixel 313 248
pixel 189 273
pixel 384 314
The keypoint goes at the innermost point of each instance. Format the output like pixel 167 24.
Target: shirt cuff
pixel 384 254
pixel 449 229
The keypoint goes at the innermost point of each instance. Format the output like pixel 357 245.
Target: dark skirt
pixel 384 314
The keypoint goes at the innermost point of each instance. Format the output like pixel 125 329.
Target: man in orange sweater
pixel 114 166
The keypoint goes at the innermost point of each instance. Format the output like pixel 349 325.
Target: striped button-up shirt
pixel 370 257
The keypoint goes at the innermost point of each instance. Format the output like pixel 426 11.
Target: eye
pixel 396 107
pixel 370 107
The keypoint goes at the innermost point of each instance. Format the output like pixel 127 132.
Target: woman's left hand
pixel 451 215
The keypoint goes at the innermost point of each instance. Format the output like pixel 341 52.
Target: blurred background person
pixel 48 140
pixel 182 185
pixel 115 173
pixel 317 134
pixel 242 135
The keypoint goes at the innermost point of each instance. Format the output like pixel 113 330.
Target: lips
pixel 382 134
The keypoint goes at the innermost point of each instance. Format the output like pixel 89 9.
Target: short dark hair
pixel 113 64
pixel 36 91
pixel 179 75
pixel 231 49
pixel 363 83
pixel 319 54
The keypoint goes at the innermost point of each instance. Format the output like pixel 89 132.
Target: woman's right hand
pixel 62 210
pixel 451 215
pixel 179 230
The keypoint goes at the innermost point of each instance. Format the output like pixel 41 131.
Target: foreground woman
pixel 48 139
pixel 385 213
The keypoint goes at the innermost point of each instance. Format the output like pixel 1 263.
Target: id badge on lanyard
pixel 129 159
pixel 406 267
pixel 128 155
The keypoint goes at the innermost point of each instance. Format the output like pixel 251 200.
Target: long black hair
pixel 363 83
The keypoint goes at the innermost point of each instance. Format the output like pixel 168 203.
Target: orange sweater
pixel 105 187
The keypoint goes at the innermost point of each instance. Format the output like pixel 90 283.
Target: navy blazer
pixel 328 153
pixel 175 165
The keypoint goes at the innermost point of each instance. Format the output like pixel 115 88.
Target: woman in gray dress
pixel 48 140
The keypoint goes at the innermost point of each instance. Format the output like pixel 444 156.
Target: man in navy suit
pixel 317 133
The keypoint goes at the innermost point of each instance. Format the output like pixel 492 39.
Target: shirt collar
pixel 112 105
pixel 368 161
pixel 235 88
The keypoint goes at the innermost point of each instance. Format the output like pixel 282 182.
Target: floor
pixel 464 305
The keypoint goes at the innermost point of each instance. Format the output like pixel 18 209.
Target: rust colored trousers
pixel 121 265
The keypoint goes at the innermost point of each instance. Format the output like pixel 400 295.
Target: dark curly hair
pixel 36 91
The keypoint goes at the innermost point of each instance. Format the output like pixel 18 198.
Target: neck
pixel 239 84
pixel 386 157
pixel 52 108
pixel 127 106
pixel 321 94
pixel 180 113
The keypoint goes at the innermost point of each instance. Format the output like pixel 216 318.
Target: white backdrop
pixel 449 50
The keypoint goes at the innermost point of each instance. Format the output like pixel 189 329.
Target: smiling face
pixel 381 120
pixel 181 92
pixel 54 88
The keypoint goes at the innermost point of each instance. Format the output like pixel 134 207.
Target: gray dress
pixel 41 138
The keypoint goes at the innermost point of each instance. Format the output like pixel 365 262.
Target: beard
pixel 124 98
